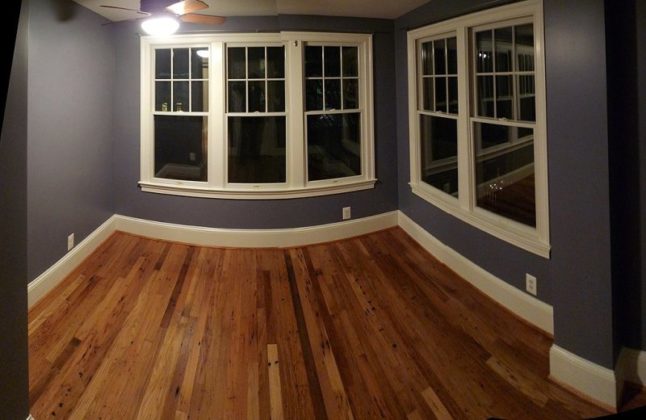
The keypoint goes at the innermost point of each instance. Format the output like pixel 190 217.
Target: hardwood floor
pixel 366 328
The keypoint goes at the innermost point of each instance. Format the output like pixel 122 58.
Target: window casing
pixel 242 129
pixel 483 157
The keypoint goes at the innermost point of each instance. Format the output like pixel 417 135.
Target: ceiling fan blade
pixel 187 6
pixel 203 19
pixel 125 8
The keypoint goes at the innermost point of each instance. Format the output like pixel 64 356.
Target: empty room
pixel 308 209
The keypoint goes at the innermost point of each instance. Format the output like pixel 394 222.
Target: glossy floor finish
pixel 366 328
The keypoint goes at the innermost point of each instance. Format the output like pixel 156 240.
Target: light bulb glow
pixel 160 26
pixel 203 53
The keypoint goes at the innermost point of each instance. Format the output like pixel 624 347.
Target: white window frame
pixel 534 240
pixel 296 184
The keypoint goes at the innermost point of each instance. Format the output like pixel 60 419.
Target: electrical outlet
pixel 70 241
pixel 347 213
pixel 530 284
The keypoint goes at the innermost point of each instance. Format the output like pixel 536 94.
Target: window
pixel 477 121
pixel 257 115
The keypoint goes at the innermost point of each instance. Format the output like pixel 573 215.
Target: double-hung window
pixel 278 115
pixel 478 144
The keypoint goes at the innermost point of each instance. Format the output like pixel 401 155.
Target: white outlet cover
pixel 531 284
pixel 347 213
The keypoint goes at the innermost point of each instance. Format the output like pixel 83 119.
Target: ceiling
pixel 388 9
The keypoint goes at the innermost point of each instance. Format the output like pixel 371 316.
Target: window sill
pixel 258 193
pixel 509 231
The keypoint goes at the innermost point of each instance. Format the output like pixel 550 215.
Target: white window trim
pixel 296 184
pixel 534 240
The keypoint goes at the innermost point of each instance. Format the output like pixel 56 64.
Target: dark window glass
pixel 162 96
pixel 257 96
pixel 505 182
pixel 314 95
pixel 440 94
pixel 180 96
pixel 236 63
pixel 453 95
pixel 199 96
pixel 313 61
pixel 504 97
pixel 439 150
pixel 199 65
pixel 237 97
pixel 525 47
pixel 504 48
pixel 484 57
pixel 350 93
pixel 427 94
pixel 439 57
pixel 332 61
pixel 332 94
pixel 452 55
pixel 485 96
pixel 256 62
pixel 162 64
pixel 180 63
pixel 275 62
pixel 180 147
pixel 333 146
pixel 350 62
pixel 427 58
pixel 256 150
pixel 276 96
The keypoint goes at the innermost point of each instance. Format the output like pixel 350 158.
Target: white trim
pixel 31 417
pixel 39 287
pixel 591 379
pixel 632 365
pixel 520 303
pixel 256 238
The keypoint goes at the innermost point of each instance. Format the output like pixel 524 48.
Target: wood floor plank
pixel 366 328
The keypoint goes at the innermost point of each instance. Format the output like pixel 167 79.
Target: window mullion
pixel 217 117
pixel 296 160
pixel 466 181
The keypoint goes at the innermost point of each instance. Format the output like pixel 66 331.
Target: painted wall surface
pixel 577 278
pixel 130 201
pixel 14 398
pixel 71 83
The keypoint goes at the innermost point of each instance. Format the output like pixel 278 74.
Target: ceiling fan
pixel 161 17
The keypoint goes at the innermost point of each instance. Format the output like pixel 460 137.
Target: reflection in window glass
pixel 256 149
pixel 333 146
pixel 180 147
pixel 162 63
pixel 439 150
pixel 505 174
pixel 180 63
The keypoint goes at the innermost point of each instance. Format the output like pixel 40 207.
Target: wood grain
pixel 370 327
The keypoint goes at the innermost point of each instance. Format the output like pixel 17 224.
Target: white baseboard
pixel 525 306
pixel 42 284
pixel 595 381
pixel 256 238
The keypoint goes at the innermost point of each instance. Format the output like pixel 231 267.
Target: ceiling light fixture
pixel 160 26
pixel 203 53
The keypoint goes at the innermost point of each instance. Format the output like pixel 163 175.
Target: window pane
pixel 504 49
pixel 332 61
pixel 180 147
pixel 484 57
pixel 199 96
pixel 427 58
pixel 350 93
pixel 276 96
pixel 162 64
pixel 350 62
pixel 314 95
pixel 237 96
pixel 439 147
pixel 276 62
pixel 427 94
pixel 440 94
pixel 257 96
pixel 313 61
pixel 452 55
pixel 199 64
pixel 525 47
pixel 485 96
pixel 505 175
pixel 180 96
pixel 438 57
pixel 527 98
pixel 256 149
pixel 453 95
pixel 180 63
pixel 332 94
pixel 236 63
pixel 504 97
pixel 333 146
pixel 162 96
pixel 256 62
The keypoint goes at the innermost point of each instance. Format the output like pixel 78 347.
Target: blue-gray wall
pixel 577 278
pixel 71 83
pixel 14 399
pixel 130 201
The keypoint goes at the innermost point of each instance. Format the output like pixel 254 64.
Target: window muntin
pixel 283 122
pixel 256 118
pixel 501 150
pixel 333 111
pixel 437 112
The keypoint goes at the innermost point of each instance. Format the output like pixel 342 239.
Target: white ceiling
pixel 389 9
